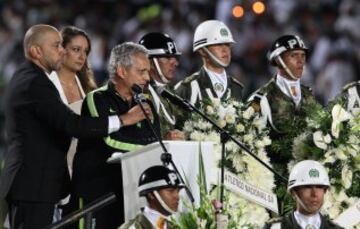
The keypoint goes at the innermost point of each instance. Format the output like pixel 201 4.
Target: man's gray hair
pixel 122 55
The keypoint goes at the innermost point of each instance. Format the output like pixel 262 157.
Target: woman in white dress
pixel 74 79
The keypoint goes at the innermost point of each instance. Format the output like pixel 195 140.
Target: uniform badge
pixel 218 87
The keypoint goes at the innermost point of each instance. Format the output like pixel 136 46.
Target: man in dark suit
pixel 39 128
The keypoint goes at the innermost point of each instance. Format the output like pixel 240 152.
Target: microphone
pixel 173 98
pixel 139 96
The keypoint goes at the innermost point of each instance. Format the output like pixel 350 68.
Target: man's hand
pixel 135 115
pixel 175 135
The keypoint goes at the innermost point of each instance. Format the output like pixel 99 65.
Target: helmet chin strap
pixel 158 69
pixel 298 200
pixel 214 59
pixel 162 203
pixel 288 71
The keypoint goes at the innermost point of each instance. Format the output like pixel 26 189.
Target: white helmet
pixel 308 172
pixel 211 32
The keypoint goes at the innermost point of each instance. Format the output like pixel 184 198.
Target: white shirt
pixel 218 81
pixel 153 215
pixel 306 221
pixel 286 86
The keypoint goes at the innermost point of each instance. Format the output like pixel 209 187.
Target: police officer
pixel 163 55
pixel 308 183
pixel 212 41
pixel 284 101
pixel 160 186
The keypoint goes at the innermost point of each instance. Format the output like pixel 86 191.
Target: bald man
pixel 39 129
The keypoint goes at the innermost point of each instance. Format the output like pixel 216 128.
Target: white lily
pixel 339 115
pixel 319 140
pixel 346 177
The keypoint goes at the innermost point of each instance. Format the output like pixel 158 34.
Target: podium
pixel 185 155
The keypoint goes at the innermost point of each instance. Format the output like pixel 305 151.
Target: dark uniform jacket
pixel 187 91
pixel 140 222
pixel 165 109
pixel 94 177
pixel 289 222
pixel 39 128
pixel 283 109
pixel 283 117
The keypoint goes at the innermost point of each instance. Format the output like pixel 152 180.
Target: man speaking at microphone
pixel 93 177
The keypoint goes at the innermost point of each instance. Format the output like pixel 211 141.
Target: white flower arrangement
pixel 249 128
pixel 333 138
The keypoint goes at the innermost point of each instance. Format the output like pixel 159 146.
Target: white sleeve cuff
pixel 114 124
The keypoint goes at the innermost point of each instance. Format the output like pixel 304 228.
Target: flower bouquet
pixel 250 128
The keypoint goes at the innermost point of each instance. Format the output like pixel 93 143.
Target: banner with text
pixel 250 192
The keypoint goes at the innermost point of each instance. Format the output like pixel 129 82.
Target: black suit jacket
pixel 39 128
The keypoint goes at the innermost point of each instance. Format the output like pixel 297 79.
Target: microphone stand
pixel 166 157
pixel 224 137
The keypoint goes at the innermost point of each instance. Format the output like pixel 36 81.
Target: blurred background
pixel 330 29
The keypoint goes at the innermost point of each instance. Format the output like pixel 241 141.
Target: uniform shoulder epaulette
pixel 190 78
pixel 237 82
pixel 349 85
pixel 269 85
pixel 306 87
pixel 274 220
pixel 261 91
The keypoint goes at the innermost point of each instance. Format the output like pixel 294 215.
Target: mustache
pixel 146 88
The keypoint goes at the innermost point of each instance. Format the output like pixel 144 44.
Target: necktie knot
pixel 160 223
pixel 293 91
pixel 309 226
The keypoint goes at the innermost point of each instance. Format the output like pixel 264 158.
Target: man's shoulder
pixel 328 223
pixel 98 93
pixel 191 78
pixel 270 86
pixel 97 100
pixel 267 87
pixel 306 88
pixel 236 82
pixel 29 74
pixel 182 87
pixel 139 222
pixel 286 221
pixel 132 224
pixel 274 223
pixel 275 220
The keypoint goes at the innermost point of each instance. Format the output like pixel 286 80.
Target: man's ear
pixel 35 52
pixel 151 196
pixel 121 71
pixel 201 52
